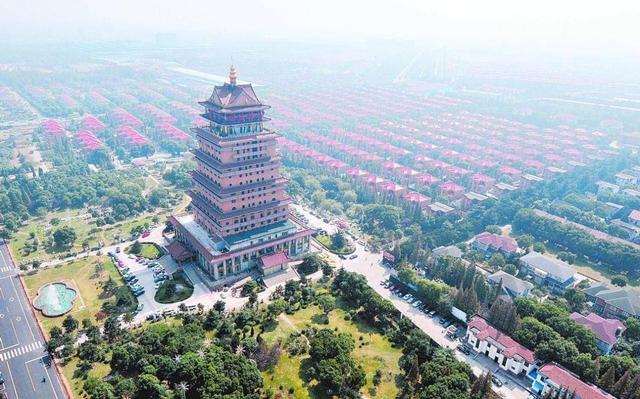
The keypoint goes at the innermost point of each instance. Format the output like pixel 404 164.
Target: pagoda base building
pixel 240 209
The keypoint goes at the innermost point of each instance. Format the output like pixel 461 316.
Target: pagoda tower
pixel 239 201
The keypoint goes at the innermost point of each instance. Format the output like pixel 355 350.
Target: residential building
pixel 607 331
pixel 553 377
pixel 614 302
pixel 240 208
pixel 511 285
pixel 438 208
pixel 490 243
pixel 450 250
pixel 499 347
pixel 607 188
pixel 546 271
pixel 634 217
pixel 625 179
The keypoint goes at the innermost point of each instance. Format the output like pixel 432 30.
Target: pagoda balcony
pixel 220 167
pixel 220 191
pixel 230 120
pixel 220 141
pixel 217 215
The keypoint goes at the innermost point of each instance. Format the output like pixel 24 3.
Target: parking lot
pixel 149 274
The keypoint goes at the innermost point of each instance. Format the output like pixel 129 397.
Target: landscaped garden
pixel 147 250
pixel 372 350
pixel 35 240
pixel 98 284
pixel 177 289
pixel 337 243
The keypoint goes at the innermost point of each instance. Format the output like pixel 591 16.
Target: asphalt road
pixel 27 372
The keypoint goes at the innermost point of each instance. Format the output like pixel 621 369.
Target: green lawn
pixel 147 250
pixel 85 228
pixel 373 352
pixel 99 370
pixel 183 289
pixel 81 275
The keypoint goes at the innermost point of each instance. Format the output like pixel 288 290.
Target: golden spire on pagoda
pixel 233 75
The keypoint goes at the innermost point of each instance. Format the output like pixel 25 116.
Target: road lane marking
pixel 13 383
pixel 22 308
pixel 46 371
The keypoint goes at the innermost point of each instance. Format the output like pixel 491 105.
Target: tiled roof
pixel 269 261
pixel 451 250
pixel 178 251
pixel 555 267
pixel 635 215
pixel 626 299
pixel 510 282
pixel 604 329
pixel 511 347
pixel 230 96
pixel 564 378
pixel 506 244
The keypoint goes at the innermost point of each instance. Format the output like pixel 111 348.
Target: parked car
pixel 452 331
pixel 496 381
pixel 431 313
pixel 447 323
pixel 464 349
pixel 353 256
pixel 417 304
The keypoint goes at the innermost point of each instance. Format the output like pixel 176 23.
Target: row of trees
pixel 617 257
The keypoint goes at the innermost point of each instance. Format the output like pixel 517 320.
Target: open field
pixel 81 275
pixel 373 352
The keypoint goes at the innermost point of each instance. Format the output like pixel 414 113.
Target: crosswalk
pixel 5 268
pixel 21 350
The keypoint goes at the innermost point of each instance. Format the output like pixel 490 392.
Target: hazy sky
pixel 585 24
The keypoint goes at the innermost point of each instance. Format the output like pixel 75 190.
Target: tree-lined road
pixel 370 265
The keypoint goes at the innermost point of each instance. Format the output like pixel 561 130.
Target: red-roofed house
pixel 391 192
pixel 452 190
pixel 552 377
pixel 607 331
pixel 634 217
pixel 416 200
pixel 270 264
pixel 504 350
pixel 488 243
pixel 481 182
